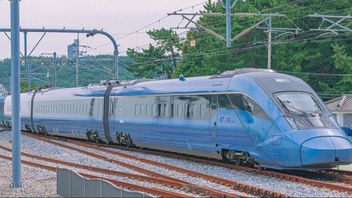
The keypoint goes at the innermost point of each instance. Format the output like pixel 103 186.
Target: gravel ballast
pixel 33 146
pixel 36 182
pixel 293 189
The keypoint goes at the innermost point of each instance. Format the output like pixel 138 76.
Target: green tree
pixel 148 63
pixel 159 59
pixel 343 62
pixel 303 54
pixel 169 41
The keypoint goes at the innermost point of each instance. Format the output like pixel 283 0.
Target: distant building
pixel 341 108
pixel 72 51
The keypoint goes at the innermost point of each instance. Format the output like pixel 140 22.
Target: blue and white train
pixel 246 116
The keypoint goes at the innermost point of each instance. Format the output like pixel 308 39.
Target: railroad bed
pixel 37 182
pixel 127 169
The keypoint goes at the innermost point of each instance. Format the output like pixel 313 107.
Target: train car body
pixel 251 116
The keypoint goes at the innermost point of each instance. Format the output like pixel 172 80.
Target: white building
pixel 341 107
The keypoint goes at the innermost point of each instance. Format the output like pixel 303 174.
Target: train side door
pixel 113 117
pixel 213 118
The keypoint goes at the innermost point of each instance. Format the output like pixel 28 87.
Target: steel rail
pixel 154 191
pixel 288 177
pixel 222 181
pixel 269 173
pixel 189 187
pixel 185 186
pixel 242 187
pixel 342 175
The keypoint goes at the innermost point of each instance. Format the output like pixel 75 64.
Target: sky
pixel 117 17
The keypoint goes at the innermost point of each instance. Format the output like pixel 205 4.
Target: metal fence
pixel 71 184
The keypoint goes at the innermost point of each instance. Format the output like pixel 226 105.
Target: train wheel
pixel 27 128
pixel 237 157
pixel 42 130
pixel 89 134
pixel 8 125
pixel 93 136
pixel 124 139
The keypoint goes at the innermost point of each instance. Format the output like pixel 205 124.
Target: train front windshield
pixel 303 111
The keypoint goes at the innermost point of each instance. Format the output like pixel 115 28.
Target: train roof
pixel 269 80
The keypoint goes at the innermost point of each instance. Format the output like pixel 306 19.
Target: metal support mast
pixel 55 68
pixel 15 92
pixel 228 24
pixel 88 32
pixel 265 24
pixel 228 8
pixel 54 64
pixel 77 60
pixel 26 65
pixel 270 42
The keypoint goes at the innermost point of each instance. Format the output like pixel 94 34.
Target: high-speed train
pixel 246 116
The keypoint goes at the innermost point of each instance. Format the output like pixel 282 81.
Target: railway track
pixel 341 175
pixel 180 185
pixel 241 187
pixel 154 191
pixel 341 182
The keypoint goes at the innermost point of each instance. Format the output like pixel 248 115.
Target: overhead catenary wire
pixel 222 22
pixel 291 20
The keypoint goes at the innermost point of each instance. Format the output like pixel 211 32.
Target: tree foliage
pixel 158 60
pixel 92 69
pixel 304 54
pixel 324 62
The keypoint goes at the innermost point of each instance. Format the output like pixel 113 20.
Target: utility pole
pixel 269 42
pixel 26 62
pixel 88 32
pixel 54 63
pixel 77 60
pixel 15 92
pixel 55 69
pixel 228 7
pixel 228 24
pixel 265 24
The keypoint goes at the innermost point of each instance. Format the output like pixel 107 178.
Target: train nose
pixel 326 150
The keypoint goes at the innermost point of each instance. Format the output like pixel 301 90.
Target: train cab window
pixel 246 103
pixel 254 108
pixel 299 103
pixel 224 102
pixel 214 103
